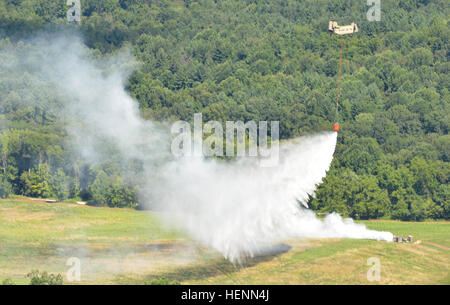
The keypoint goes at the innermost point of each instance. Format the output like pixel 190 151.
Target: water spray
pixel 237 208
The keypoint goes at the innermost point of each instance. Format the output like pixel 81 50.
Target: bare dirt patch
pixel 412 250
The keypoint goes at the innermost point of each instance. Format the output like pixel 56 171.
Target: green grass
pixel 134 247
pixel 431 230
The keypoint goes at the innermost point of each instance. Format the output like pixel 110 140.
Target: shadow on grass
pixel 95 249
pixel 216 267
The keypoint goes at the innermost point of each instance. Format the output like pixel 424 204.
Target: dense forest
pixel 262 60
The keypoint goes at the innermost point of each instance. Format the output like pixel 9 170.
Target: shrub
pixel 43 278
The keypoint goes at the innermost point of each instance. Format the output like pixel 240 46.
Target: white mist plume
pixel 237 207
pixel 241 208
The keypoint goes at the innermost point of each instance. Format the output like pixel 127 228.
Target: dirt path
pixel 437 245
pixel 427 248
pixel 412 250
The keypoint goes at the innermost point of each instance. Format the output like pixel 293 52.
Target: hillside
pixel 247 60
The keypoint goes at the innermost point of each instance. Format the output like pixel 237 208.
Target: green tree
pixel 361 154
pixel 432 210
pixel 99 189
pixel 369 201
pixel 5 187
pixel 36 182
pixel 60 185
pixel 120 195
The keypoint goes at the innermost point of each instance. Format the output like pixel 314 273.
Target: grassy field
pixel 122 246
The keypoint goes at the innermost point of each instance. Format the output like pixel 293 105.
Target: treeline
pixel 258 60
